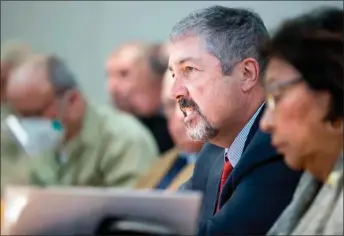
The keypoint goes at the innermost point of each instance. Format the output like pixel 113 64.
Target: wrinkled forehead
pixel 127 54
pixel 187 48
pixel 116 63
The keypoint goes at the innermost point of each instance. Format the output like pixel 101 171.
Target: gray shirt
pixel 316 209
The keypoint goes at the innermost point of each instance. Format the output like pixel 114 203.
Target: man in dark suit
pixel 216 67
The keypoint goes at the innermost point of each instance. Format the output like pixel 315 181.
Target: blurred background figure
pixel 69 140
pixel 176 166
pixel 134 73
pixel 13 159
pixel 304 92
pixel 12 54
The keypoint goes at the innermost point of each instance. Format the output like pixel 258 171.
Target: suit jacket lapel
pixel 213 185
pixel 254 128
pixel 257 145
pixel 258 151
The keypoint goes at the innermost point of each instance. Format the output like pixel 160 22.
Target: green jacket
pixel 113 149
pixel 14 162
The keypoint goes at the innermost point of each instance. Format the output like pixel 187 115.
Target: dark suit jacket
pixel 257 191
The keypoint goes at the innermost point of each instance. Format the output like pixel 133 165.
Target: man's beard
pixel 202 130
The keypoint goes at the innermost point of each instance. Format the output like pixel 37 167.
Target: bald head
pixel 133 51
pixel 30 80
pixel 134 73
pixel 41 72
pixel 12 55
pixel 37 81
pixel 154 56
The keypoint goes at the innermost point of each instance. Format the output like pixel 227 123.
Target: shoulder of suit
pixel 209 149
pixel 261 147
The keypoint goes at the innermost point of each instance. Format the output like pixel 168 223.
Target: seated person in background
pixel 13 159
pixel 71 142
pixel 175 166
pixel 304 91
pixel 134 73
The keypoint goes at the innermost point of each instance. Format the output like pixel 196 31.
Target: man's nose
pixel 267 121
pixel 179 89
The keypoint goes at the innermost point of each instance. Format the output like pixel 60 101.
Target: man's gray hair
pixel 230 34
pixel 60 77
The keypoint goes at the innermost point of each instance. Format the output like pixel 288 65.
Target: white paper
pixel 67 211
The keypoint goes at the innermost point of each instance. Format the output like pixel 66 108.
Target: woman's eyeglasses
pixel 273 91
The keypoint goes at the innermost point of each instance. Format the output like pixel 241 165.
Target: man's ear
pixel 250 74
pixel 72 96
pixel 68 99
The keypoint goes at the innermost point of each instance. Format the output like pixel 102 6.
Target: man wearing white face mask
pixel 70 141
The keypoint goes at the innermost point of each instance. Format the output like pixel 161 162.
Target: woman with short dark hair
pixel 304 92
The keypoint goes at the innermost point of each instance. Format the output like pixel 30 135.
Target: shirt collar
pixel 233 153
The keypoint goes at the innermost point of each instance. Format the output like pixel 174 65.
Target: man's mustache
pixel 187 103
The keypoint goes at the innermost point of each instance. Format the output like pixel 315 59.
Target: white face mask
pixel 36 135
